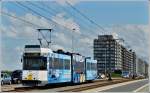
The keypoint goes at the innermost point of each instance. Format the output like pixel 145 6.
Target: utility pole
pixel 105 62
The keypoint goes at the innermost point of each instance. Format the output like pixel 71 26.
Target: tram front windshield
pixel 35 63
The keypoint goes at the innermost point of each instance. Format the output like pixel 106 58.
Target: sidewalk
pixel 10 87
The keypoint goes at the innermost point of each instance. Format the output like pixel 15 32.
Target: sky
pixel 123 18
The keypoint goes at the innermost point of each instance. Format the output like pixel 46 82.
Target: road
pixel 144 88
pixel 129 87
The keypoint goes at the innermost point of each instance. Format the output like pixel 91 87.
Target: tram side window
pixel 61 63
pixel 66 64
pixel 57 64
pixel 79 67
pixel 50 62
pixel 93 66
pixel 88 66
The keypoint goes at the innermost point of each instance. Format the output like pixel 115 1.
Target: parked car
pixel 125 74
pixel 5 79
pixel 140 76
pixel 16 76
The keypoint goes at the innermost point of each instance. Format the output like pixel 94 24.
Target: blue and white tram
pixel 59 68
pixel 34 65
pixel 42 66
pixel 91 69
pixel 78 68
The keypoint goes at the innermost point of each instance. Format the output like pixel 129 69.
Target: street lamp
pixel 72 40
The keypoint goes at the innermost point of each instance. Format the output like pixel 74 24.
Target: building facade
pixel 128 60
pixel 146 69
pixel 141 67
pixel 134 63
pixel 107 52
pixel 112 56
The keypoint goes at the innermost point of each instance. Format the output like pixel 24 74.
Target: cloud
pixel 61 37
pixel 19 49
pixel 20 30
pixel 132 34
pixel 56 47
pixel 63 2
pixel 41 21
pixel 135 36
pixel 63 40
pixel 115 35
pixel 146 29
pixel 27 32
pixel 8 31
pixel 15 35
pixel 17 28
pixel 66 22
pixel 86 41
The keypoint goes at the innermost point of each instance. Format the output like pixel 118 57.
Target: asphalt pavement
pixel 144 88
pixel 131 86
pixel 128 88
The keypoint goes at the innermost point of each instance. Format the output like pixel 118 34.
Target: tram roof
pixel 36 49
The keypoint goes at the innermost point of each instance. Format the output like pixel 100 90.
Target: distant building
pixel 112 55
pixel 134 62
pixel 141 67
pixel 146 69
pixel 128 60
pixel 107 49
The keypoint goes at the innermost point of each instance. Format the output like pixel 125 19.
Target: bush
pixel 115 75
pixel 118 72
pixel 6 71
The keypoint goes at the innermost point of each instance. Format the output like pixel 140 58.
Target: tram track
pixel 98 84
pixel 23 89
